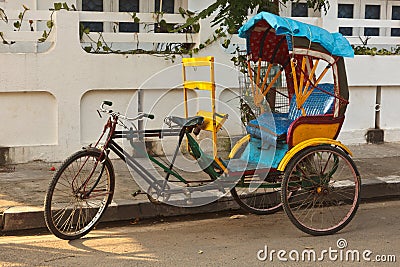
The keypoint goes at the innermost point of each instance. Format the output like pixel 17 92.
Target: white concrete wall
pixel 49 99
pixel 365 74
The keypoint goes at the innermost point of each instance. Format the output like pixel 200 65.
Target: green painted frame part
pixel 197 153
pixel 164 167
pixel 335 166
pixel 202 157
pixel 264 185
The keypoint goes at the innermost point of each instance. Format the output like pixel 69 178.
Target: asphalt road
pixel 216 240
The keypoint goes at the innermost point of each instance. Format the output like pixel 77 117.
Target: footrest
pixel 239 165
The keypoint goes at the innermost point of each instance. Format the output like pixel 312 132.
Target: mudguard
pixel 311 142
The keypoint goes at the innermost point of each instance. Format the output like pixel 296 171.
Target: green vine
pixel 2 38
pixel 166 50
pixel 374 51
pixel 18 24
pixel 364 49
pixel 3 15
pixel 50 23
pixel 229 15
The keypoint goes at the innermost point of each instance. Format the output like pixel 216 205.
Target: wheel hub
pixel 80 195
pixel 320 190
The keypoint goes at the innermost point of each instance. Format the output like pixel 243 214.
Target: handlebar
pixel 114 113
pixel 107 103
pixel 149 116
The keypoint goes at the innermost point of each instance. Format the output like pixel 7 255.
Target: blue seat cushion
pixel 273 126
pixel 318 103
pixel 269 126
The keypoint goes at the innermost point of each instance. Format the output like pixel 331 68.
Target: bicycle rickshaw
pixel 290 157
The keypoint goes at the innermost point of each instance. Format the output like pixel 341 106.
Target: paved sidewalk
pixel 23 187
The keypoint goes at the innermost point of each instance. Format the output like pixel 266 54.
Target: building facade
pixel 49 91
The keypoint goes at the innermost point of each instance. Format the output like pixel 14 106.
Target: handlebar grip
pixel 150 116
pixel 108 103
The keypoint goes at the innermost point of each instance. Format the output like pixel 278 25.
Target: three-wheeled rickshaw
pixel 289 157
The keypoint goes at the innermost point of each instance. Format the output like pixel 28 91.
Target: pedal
pixel 136 193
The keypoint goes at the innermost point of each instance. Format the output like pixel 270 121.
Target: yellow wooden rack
pixel 213 121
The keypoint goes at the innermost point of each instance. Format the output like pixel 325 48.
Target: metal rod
pixel 378 107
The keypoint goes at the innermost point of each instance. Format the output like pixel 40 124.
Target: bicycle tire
pixel 72 211
pixel 327 185
pixel 261 201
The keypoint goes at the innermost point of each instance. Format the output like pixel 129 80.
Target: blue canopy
pixel 334 43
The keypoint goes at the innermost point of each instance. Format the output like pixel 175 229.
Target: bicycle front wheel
pixel 79 193
pixel 324 188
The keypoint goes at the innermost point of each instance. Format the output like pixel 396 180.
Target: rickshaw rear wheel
pixel 321 190
pixel 261 200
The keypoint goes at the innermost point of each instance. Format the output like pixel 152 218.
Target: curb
pixel 25 218
pixel 385 187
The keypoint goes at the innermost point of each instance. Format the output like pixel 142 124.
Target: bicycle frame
pixel 208 164
pixel 111 144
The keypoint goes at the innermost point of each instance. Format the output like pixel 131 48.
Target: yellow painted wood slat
pixel 198 85
pixel 311 75
pixel 266 78
pixel 322 75
pixel 197 61
pixel 250 71
pixel 316 84
pixel 295 85
pixel 301 90
pixel 258 73
pixel 277 75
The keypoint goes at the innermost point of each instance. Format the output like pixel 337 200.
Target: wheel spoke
pixel 69 212
pixel 260 199
pixel 329 190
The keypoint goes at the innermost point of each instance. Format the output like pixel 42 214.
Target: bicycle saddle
pixel 187 122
